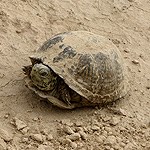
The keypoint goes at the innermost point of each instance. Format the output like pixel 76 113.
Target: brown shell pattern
pixel 90 64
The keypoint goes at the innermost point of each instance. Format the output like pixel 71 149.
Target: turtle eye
pixel 43 73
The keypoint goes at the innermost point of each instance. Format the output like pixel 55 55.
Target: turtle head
pixel 43 77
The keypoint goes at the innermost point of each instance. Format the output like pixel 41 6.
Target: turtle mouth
pixel 40 86
pixel 45 87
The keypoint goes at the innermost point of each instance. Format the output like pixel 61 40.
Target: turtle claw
pixel 60 104
pixel 35 60
pixel 27 70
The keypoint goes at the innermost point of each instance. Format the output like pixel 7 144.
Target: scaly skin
pixel 43 81
pixel 46 80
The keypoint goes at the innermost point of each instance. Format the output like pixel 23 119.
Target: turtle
pixel 76 69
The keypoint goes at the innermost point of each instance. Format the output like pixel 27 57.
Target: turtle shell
pixel 90 64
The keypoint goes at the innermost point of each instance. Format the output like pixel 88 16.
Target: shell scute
pixel 68 52
pixel 90 64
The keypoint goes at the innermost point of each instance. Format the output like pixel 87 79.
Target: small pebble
pixel 107 147
pixel 36 119
pixel 122 112
pixel 114 121
pixel 41 147
pixel 80 145
pixel 29 147
pixel 68 130
pixel 135 61
pixel 142 92
pixel 122 144
pixel 143 144
pixel 129 146
pixel 25 140
pixel 122 128
pixel 118 111
pixel 100 139
pixel 73 145
pixel 95 128
pixel 96 112
pixel 126 50
pixel 104 133
pixel 83 135
pixel 106 118
pixel 44 138
pixel 116 146
pixel 65 141
pixel 74 136
pixel 25 130
pixel 10 147
pixel 111 140
pixel 18 31
pixel 86 129
pixel 45 142
pixel 79 123
pixel 37 137
pixel 19 124
pixel 49 137
pixel 79 129
pixel 44 131
pixel 67 122
pixel 108 129
pixel 119 139
pixel 6 116
pixel 110 133
pixel 95 122
pixel 5 135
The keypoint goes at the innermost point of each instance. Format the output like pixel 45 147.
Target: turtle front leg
pixel 35 60
pixel 61 104
pixel 27 70
pixel 64 92
pixel 72 105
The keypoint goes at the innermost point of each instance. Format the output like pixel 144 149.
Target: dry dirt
pixel 27 122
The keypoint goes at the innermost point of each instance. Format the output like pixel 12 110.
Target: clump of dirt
pixel 29 123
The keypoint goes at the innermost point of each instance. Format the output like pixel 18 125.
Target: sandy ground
pixel 27 122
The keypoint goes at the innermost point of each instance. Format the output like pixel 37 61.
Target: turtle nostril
pixel 34 69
